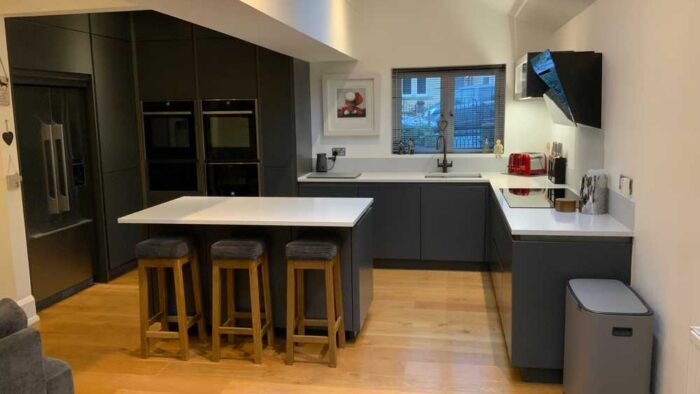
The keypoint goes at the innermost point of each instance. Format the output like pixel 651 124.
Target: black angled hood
pixel 574 81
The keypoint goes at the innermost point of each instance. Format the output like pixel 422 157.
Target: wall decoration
pixel 349 106
pixel 4 86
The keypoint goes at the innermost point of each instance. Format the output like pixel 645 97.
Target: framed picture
pixel 349 106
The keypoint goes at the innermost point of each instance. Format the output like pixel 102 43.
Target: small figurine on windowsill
pixel 411 149
pixel 401 149
pixel 498 149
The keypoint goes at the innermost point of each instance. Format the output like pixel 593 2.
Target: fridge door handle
pixel 62 170
pixel 49 152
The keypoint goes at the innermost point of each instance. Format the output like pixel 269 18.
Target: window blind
pixel 466 104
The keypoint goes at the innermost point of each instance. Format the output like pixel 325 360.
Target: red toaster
pixel 528 163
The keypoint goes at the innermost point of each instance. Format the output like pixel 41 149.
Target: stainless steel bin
pixel 608 340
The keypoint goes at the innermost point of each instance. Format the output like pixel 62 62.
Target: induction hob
pixel 535 198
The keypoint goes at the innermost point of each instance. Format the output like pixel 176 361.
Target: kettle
pixel 321 162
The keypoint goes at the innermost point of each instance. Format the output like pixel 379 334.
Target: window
pixel 466 104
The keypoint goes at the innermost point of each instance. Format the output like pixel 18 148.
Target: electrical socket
pixel 338 151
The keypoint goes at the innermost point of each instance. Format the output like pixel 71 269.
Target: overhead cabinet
pixel 226 68
pixel 165 69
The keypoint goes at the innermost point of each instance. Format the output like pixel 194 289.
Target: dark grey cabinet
pixel 276 109
pixel 79 22
pixel 529 276
pixel 119 139
pixel 453 222
pixel 116 106
pixel 397 220
pixel 154 26
pixel 111 24
pixel 122 191
pixel 278 181
pixel 165 69
pixel 37 46
pixel 226 69
pixel 328 190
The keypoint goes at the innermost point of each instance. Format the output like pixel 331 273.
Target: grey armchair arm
pixel 23 369
pixel 21 363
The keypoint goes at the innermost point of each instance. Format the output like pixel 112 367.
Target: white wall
pixel 416 33
pixel 328 21
pixel 651 59
pixel 14 266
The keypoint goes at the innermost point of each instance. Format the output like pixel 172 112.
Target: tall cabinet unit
pixel 95 48
pixel 180 61
pixel 115 105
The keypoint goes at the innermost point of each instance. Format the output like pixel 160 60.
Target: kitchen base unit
pixel 530 274
pixel 278 220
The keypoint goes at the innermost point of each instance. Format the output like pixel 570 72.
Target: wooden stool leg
pixel 181 311
pixel 268 300
pixel 330 316
pixel 301 306
pixel 255 311
pixel 197 290
pixel 230 301
pixel 339 309
pixel 215 312
pixel 291 318
pixel 143 308
pixel 163 299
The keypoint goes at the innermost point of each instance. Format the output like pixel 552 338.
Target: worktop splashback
pixel 419 163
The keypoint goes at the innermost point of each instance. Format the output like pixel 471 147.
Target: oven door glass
pixel 230 137
pixel 170 136
pixel 232 179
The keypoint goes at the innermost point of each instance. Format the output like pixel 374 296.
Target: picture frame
pixel 350 105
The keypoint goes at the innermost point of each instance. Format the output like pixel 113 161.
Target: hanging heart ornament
pixel 8 137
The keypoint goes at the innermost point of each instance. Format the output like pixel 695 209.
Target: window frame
pixel 447 101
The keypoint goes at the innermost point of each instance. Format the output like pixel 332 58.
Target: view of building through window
pixel 470 104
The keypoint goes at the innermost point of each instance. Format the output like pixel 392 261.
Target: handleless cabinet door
pixel 276 107
pixel 165 69
pixel 453 222
pixel 397 220
pixel 226 69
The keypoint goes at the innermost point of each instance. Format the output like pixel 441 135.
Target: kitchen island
pixel 279 220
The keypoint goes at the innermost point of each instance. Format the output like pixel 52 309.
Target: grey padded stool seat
pixel 160 254
pixel 314 254
pixel 245 254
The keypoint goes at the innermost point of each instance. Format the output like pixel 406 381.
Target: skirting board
pixel 29 306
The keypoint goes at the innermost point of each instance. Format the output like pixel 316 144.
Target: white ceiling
pixel 550 14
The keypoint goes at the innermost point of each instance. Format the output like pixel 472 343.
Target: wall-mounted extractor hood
pixel 571 82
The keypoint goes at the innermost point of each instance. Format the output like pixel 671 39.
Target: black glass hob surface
pixel 535 198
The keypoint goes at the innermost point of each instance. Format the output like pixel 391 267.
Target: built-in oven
pixel 233 179
pixel 169 130
pixel 171 145
pixel 230 130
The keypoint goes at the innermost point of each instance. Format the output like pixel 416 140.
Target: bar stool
pixel 248 254
pixel 314 255
pixel 171 253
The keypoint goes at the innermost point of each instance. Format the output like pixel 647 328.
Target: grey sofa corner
pixel 23 368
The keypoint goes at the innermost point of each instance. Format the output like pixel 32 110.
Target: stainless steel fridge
pixel 54 154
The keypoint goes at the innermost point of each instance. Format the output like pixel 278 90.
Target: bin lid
pixel 607 296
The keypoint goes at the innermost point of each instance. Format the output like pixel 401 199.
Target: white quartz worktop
pixel 522 221
pixel 255 211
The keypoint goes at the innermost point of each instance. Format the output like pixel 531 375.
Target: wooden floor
pixel 427 331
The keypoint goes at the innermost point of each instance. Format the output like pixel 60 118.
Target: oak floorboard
pixel 427 332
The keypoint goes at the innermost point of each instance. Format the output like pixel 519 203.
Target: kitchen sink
pixel 453 175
